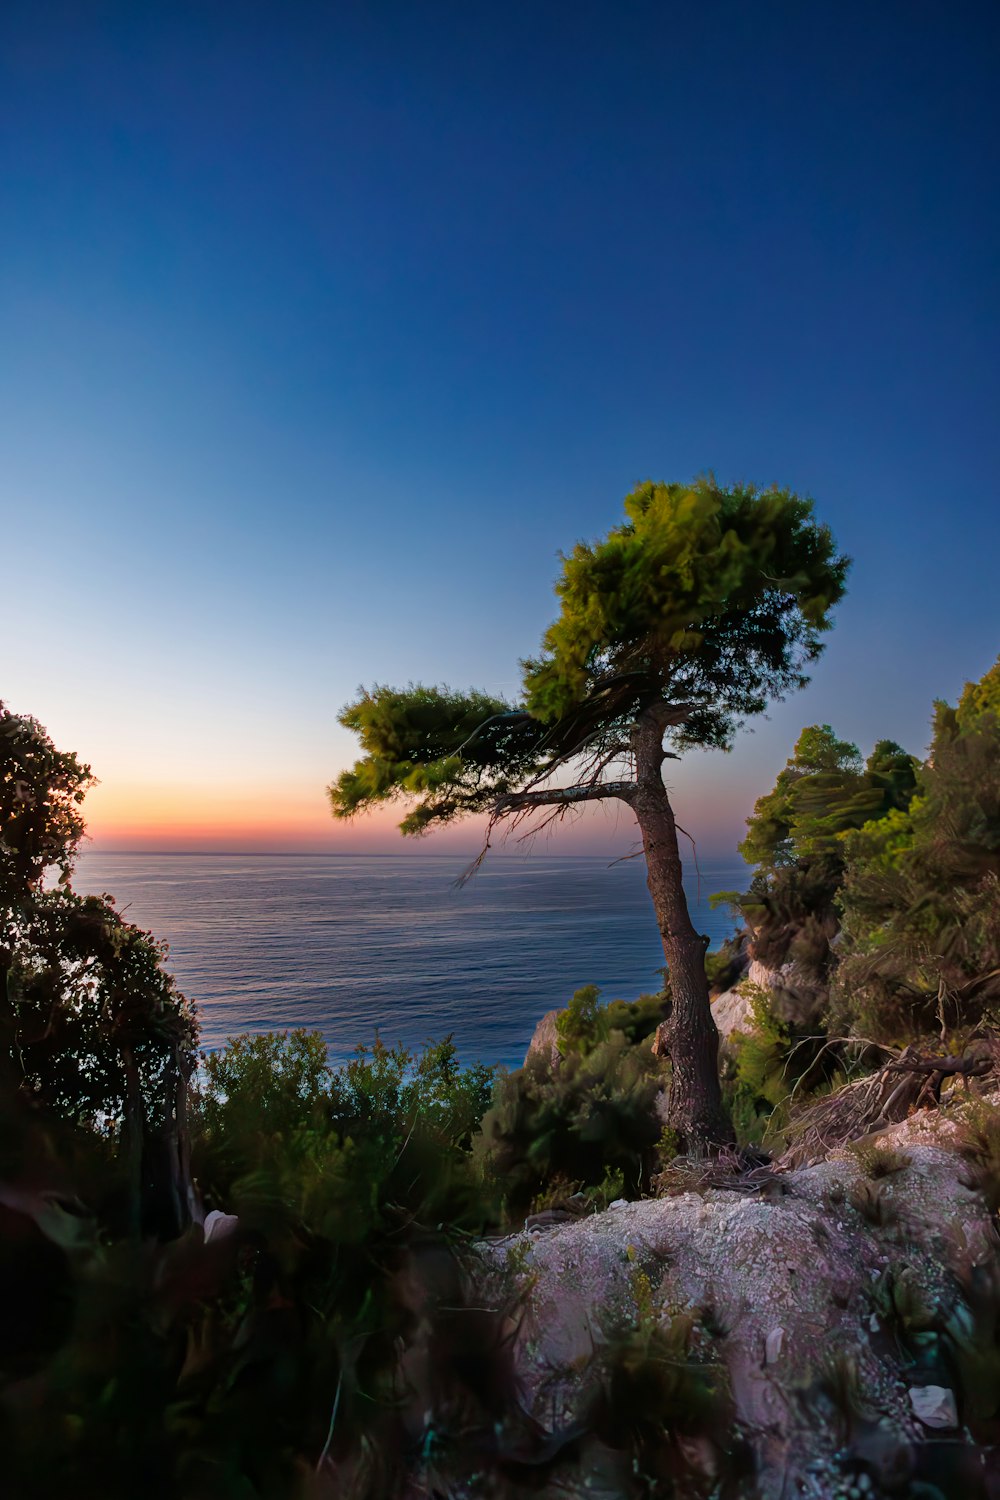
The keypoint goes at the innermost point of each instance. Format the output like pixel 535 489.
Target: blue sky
pixel 325 327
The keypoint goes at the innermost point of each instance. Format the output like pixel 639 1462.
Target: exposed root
pixel 871 1104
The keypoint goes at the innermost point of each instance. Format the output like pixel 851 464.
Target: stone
pixel 772 1346
pixel 767 1270
pixel 545 1040
pixel 219 1226
pixel 795 996
pixel 732 1015
pixel 934 1405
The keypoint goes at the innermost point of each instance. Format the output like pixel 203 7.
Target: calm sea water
pixel 345 944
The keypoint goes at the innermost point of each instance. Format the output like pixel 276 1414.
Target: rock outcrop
pixel 545 1040
pixel 793 996
pixel 792 1280
pixel 733 1014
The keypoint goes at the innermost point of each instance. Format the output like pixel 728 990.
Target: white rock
pixel 934 1405
pixel 218 1226
pixel 772 1346
pixel 732 1013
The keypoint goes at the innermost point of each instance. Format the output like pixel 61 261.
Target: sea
pixel 349 945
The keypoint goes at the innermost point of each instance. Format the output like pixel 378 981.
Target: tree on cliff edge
pixel 93 1031
pixel 702 607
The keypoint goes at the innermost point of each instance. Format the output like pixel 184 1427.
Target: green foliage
pixel 689 617
pixel 446 752
pixel 796 836
pixel 954 1342
pixel 594 1114
pixel 712 598
pixel 770 1060
pixel 666 1403
pixel 41 790
pixel 278 1131
pixel 921 894
pixel 791 911
pixel 762 1053
pixel 92 1029
pixel 821 794
pixel 586 1023
pixel 95 1012
pixel 245 1364
pixel 877 1161
pixel 819 771
pixel 706 596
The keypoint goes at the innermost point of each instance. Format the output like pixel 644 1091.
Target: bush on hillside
pixel 586 1023
pixel 237 1366
pixel 590 1122
pixel 920 949
pixel 277 1130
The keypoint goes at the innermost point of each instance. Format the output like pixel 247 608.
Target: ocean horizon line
pixel 713 858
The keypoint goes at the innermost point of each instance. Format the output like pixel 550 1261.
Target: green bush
pixel 586 1023
pixel 591 1116
pixel 278 1131
pixel 234 1368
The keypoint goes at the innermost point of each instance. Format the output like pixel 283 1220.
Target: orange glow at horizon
pixel 295 817
pixel 135 815
pixel 127 816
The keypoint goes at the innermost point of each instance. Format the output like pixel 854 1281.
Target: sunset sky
pixel 325 327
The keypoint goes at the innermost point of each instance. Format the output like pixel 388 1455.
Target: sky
pixel 324 328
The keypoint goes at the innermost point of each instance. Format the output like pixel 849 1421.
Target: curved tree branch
pixel 563 796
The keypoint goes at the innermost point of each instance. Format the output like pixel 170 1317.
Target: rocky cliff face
pixel 804 1292
pixel 795 996
pixel 545 1040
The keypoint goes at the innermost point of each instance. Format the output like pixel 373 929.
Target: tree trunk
pixel 170 1202
pixel 133 1140
pixel 696 1111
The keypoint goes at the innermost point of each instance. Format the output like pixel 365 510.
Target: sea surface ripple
pixel 349 944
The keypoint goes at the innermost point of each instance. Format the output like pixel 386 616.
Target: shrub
pixel 277 1129
pixel 878 1161
pixel 586 1023
pixel 665 1405
pixel 592 1116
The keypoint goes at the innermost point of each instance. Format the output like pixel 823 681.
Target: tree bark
pixel 695 1111
pixel 133 1139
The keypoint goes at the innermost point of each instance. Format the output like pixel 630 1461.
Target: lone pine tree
pixel 702 607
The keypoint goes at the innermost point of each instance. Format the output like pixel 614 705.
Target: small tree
pixel 796 839
pixel 92 1028
pixel 822 792
pixel 703 606
pixel 920 946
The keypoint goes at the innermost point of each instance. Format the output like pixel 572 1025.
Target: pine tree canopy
pixel 921 897
pixel 823 792
pixel 710 601
pixel 708 596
